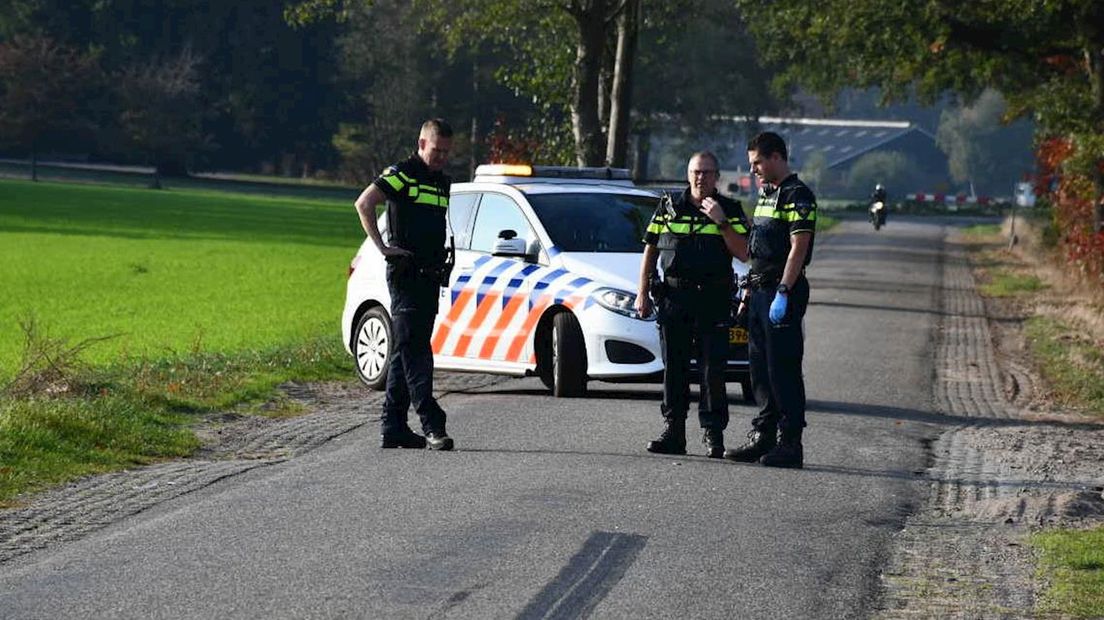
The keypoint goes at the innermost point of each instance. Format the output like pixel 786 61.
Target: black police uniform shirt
pixel 691 246
pixel 417 201
pixel 781 212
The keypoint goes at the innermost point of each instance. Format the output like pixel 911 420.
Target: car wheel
pixel 569 363
pixel 543 345
pixel 372 347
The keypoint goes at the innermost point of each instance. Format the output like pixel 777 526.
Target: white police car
pixel 547 262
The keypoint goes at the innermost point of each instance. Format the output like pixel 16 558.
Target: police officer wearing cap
pixel 417 195
pixel 780 246
pixel 693 238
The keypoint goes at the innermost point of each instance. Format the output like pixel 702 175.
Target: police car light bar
pixel 505 170
pixel 552 172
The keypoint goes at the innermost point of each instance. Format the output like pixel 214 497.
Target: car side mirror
pixel 508 244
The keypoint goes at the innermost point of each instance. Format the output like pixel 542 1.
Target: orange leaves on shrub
pixel 1072 196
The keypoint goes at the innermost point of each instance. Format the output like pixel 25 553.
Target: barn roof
pixel 841 140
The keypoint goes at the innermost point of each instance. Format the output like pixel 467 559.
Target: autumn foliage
pixel 506 146
pixel 1071 195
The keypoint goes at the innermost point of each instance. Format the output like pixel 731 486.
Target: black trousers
pixel 410 373
pixel 694 324
pixel 775 353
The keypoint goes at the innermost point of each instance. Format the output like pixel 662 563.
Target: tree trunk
pixel 34 163
pixel 605 85
pixel 584 98
pixel 617 142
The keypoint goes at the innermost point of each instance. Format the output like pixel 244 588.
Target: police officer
pixel 417 196
pixel 780 246
pixel 693 237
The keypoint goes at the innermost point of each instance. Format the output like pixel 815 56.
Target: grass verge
pixel 1071 362
pixel 1005 283
pixel 107 418
pixel 1072 564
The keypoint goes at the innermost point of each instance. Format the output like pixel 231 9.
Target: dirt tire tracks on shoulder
pixel 996 474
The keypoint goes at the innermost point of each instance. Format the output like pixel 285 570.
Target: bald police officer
pixel 417 195
pixel 693 239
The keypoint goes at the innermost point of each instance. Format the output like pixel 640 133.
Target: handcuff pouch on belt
pixel 439 272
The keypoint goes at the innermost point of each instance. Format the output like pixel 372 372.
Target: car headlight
pixel 620 302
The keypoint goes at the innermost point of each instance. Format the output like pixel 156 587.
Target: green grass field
pixel 210 301
pixel 169 272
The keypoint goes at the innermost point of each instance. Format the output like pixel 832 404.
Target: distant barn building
pixel 841 157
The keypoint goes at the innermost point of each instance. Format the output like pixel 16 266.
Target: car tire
pixel 569 362
pixel 372 347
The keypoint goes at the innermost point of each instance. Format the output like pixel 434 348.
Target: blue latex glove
pixel 778 308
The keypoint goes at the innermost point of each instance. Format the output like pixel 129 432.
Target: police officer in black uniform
pixel 417 196
pixel 693 237
pixel 780 246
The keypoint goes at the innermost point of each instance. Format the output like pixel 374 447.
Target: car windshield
pixel 581 222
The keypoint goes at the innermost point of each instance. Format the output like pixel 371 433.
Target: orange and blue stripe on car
pixel 511 302
pixel 498 313
pixel 460 293
pixel 485 299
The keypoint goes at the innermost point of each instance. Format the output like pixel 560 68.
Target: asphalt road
pixel 552 508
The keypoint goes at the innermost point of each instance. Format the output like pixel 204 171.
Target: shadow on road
pixel 931 417
pixel 885 308
pixel 651 393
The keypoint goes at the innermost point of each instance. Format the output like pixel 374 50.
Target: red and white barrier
pixel 959 199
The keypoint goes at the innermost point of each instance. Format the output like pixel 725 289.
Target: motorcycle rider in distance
pixel 878 214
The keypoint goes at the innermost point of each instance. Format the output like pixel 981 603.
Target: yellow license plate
pixel 737 335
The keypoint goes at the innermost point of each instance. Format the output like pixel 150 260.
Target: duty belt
pixel 698 285
pixel 758 281
pixel 768 280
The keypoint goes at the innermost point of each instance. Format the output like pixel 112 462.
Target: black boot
pixel 788 453
pixel 673 438
pixel 402 438
pixel 714 443
pixel 439 440
pixel 758 444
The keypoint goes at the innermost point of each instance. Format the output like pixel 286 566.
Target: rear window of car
pixel 598 222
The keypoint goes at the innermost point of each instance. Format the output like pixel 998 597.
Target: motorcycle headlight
pixel 620 302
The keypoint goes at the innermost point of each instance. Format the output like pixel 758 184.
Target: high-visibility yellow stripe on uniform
pixel 797 216
pixel 430 199
pixel 784 214
pixel 394 182
pixel 684 229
